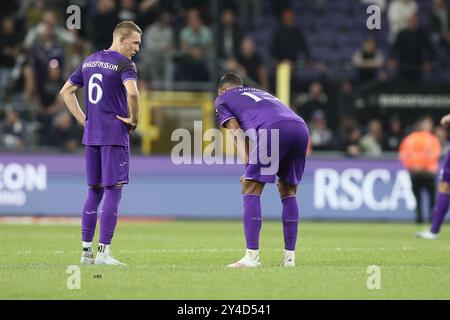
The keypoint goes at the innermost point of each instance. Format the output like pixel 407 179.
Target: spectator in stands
pixel 12 131
pixel 442 134
pixel 159 44
pixel 229 37
pixel 278 7
pixel 149 9
pixel 439 20
pixel 439 25
pixel 48 26
pixel 64 133
pixel 346 100
pixel 9 49
pixel 76 52
pixel 413 50
pixel 316 99
pixel 368 60
pixel 101 23
pixel 321 136
pixel 393 135
pixel 372 141
pixel 250 65
pixel 50 102
pixel 127 10
pixel 195 43
pixel 47 47
pixel 350 141
pixel 399 12
pixel 11 7
pixel 419 154
pixel 288 42
pixel 31 11
pixel 20 88
pixel 250 9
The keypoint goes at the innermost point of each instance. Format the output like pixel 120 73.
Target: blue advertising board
pixel 331 189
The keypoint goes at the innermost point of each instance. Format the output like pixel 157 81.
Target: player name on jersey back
pixel 104 74
pixel 253 108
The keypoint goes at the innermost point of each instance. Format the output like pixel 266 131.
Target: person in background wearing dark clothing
pixel 9 50
pixel 12 131
pixel 368 60
pixel 439 21
pixel 439 26
pixel 250 64
pixel 350 142
pixel 346 100
pixel 64 134
pixel 288 42
pixel 127 10
pixel 394 135
pixel 148 11
pixel 50 103
pixel 419 153
pixel 321 136
pixel 316 99
pixel 413 50
pixel 101 24
pixel 347 137
pixel 229 35
pixel 279 6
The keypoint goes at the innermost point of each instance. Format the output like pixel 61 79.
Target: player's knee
pixel 444 187
pixel 286 189
pixel 97 189
pixel 252 187
pixel 116 186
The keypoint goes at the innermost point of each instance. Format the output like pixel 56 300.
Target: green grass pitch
pixel 187 259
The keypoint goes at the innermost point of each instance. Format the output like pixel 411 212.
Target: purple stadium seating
pixel 332 35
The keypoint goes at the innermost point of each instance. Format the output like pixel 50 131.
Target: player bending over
pixel 443 198
pixel 249 108
pixel 112 107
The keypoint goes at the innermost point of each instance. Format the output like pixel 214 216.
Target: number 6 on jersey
pixel 93 85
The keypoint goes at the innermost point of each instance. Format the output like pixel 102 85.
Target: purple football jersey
pixel 253 108
pixel 104 74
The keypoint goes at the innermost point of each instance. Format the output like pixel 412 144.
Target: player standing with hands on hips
pixel 251 109
pixel 112 110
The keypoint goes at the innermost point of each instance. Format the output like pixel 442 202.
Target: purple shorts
pixel 107 165
pixel 444 173
pixel 293 143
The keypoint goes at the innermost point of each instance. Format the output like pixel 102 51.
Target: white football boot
pixel 288 259
pixel 427 234
pixel 87 257
pixel 104 257
pixel 250 260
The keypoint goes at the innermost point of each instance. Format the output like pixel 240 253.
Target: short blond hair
pixel 125 28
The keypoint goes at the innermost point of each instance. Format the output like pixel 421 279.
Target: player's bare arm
pixel 248 186
pixel 133 105
pixel 241 143
pixel 445 120
pixel 68 94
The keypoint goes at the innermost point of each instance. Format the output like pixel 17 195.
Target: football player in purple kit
pixel 242 109
pixel 112 109
pixel 442 199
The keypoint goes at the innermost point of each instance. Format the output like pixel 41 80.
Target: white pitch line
pixel 213 250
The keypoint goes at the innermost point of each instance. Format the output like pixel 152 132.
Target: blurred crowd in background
pixel 333 56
